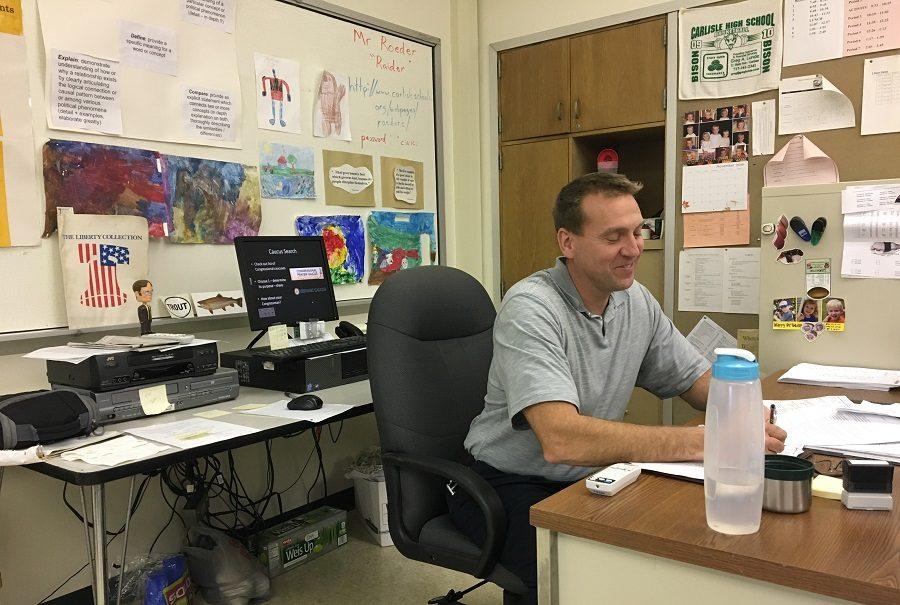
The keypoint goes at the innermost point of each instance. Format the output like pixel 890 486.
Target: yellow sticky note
pixel 824 486
pixel 278 337
pixel 154 400
pixel 210 414
pixel 250 406
pixel 11 17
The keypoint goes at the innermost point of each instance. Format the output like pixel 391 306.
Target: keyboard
pixel 315 349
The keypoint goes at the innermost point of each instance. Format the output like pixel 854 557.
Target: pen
pixel 772 414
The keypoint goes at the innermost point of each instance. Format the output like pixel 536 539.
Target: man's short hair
pixel 567 212
pixel 139 285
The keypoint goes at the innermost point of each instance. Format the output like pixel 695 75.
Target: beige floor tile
pixel 362 572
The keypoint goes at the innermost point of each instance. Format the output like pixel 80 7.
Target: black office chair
pixel 430 347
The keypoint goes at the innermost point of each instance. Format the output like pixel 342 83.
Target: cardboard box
pixel 371 502
pixel 301 539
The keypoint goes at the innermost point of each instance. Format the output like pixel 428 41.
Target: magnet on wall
pixel 818 229
pixel 790 257
pixel 800 229
pixel 767 228
pixel 780 232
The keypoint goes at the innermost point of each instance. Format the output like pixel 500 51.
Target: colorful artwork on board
pixel 345 244
pixel 211 202
pixel 400 240
pixel 103 179
pixel 287 172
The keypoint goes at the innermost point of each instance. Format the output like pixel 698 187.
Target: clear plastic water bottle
pixel 734 441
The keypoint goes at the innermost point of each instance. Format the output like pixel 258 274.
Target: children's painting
pixel 287 172
pixel 103 179
pixel 345 244
pixel 276 107
pixel 331 112
pixel 211 202
pixel 400 240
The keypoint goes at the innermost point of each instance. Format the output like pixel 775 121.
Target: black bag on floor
pixel 27 419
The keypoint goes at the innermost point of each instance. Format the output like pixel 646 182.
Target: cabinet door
pixel 534 90
pixel 532 175
pixel 618 76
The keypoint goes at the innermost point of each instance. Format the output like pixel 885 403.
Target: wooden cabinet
pixel 534 90
pixel 618 76
pixel 532 175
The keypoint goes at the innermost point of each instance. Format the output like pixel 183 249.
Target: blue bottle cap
pixel 735 364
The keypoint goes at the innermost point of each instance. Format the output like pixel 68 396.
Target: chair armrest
pixel 475 485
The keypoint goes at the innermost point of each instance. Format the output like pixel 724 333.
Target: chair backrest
pixel 429 346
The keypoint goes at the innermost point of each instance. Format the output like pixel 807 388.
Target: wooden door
pixel 534 90
pixel 618 76
pixel 531 177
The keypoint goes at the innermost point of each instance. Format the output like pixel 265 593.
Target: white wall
pixel 41 543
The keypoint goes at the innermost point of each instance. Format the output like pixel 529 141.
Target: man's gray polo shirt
pixel 549 347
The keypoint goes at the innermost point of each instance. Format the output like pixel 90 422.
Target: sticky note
pixel 278 337
pixel 154 400
pixel 210 414
pixel 250 406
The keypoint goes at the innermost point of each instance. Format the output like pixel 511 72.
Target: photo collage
pixel 809 315
pixel 716 136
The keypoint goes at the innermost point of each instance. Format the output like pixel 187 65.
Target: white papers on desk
pixel 192 432
pixel 68 354
pixel 880 451
pixel 714 187
pixel 707 336
pixel 881 95
pixel 877 409
pixel 686 470
pixel 865 198
pixel 842 377
pixel 719 280
pixel 762 140
pixel 279 409
pixel 800 162
pixel 74 354
pixel 820 422
pixel 811 103
pixel 116 451
pixel 872 244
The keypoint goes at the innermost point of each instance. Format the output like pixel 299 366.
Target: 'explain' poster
pixel 729 51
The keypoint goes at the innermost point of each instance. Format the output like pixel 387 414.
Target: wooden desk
pixel 650 543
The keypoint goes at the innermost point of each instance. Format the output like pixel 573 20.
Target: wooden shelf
pixel 653 244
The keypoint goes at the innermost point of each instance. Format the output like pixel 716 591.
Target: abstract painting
pixel 345 244
pixel 103 179
pixel 399 240
pixel 287 172
pixel 211 202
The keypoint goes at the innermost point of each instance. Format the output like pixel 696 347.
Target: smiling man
pixel 570 344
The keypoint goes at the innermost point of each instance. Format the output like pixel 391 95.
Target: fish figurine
pixel 219 302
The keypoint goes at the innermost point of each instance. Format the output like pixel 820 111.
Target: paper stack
pixel 842 377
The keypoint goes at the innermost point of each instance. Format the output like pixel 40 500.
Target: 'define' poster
pixel 730 50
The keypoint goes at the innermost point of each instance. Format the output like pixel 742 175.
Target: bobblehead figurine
pixel 143 292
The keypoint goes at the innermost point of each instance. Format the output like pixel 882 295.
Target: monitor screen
pixel 285 280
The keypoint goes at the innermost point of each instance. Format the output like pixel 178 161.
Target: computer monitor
pixel 285 280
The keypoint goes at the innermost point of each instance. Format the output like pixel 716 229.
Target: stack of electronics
pixel 190 373
pixel 287 280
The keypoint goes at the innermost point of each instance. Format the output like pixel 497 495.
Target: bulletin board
pixel 857 158
pixel 870 331
pixel 392 90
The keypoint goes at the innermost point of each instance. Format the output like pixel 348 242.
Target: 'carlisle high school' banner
pixel 729 51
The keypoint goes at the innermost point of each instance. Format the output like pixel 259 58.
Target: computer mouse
pixel 305 402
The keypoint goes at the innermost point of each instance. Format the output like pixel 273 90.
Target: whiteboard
pixel 392 72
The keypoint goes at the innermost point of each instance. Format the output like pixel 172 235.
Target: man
pixel 143 293
pixel 570 345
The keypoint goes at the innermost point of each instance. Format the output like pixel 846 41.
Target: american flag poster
pixel 101 257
